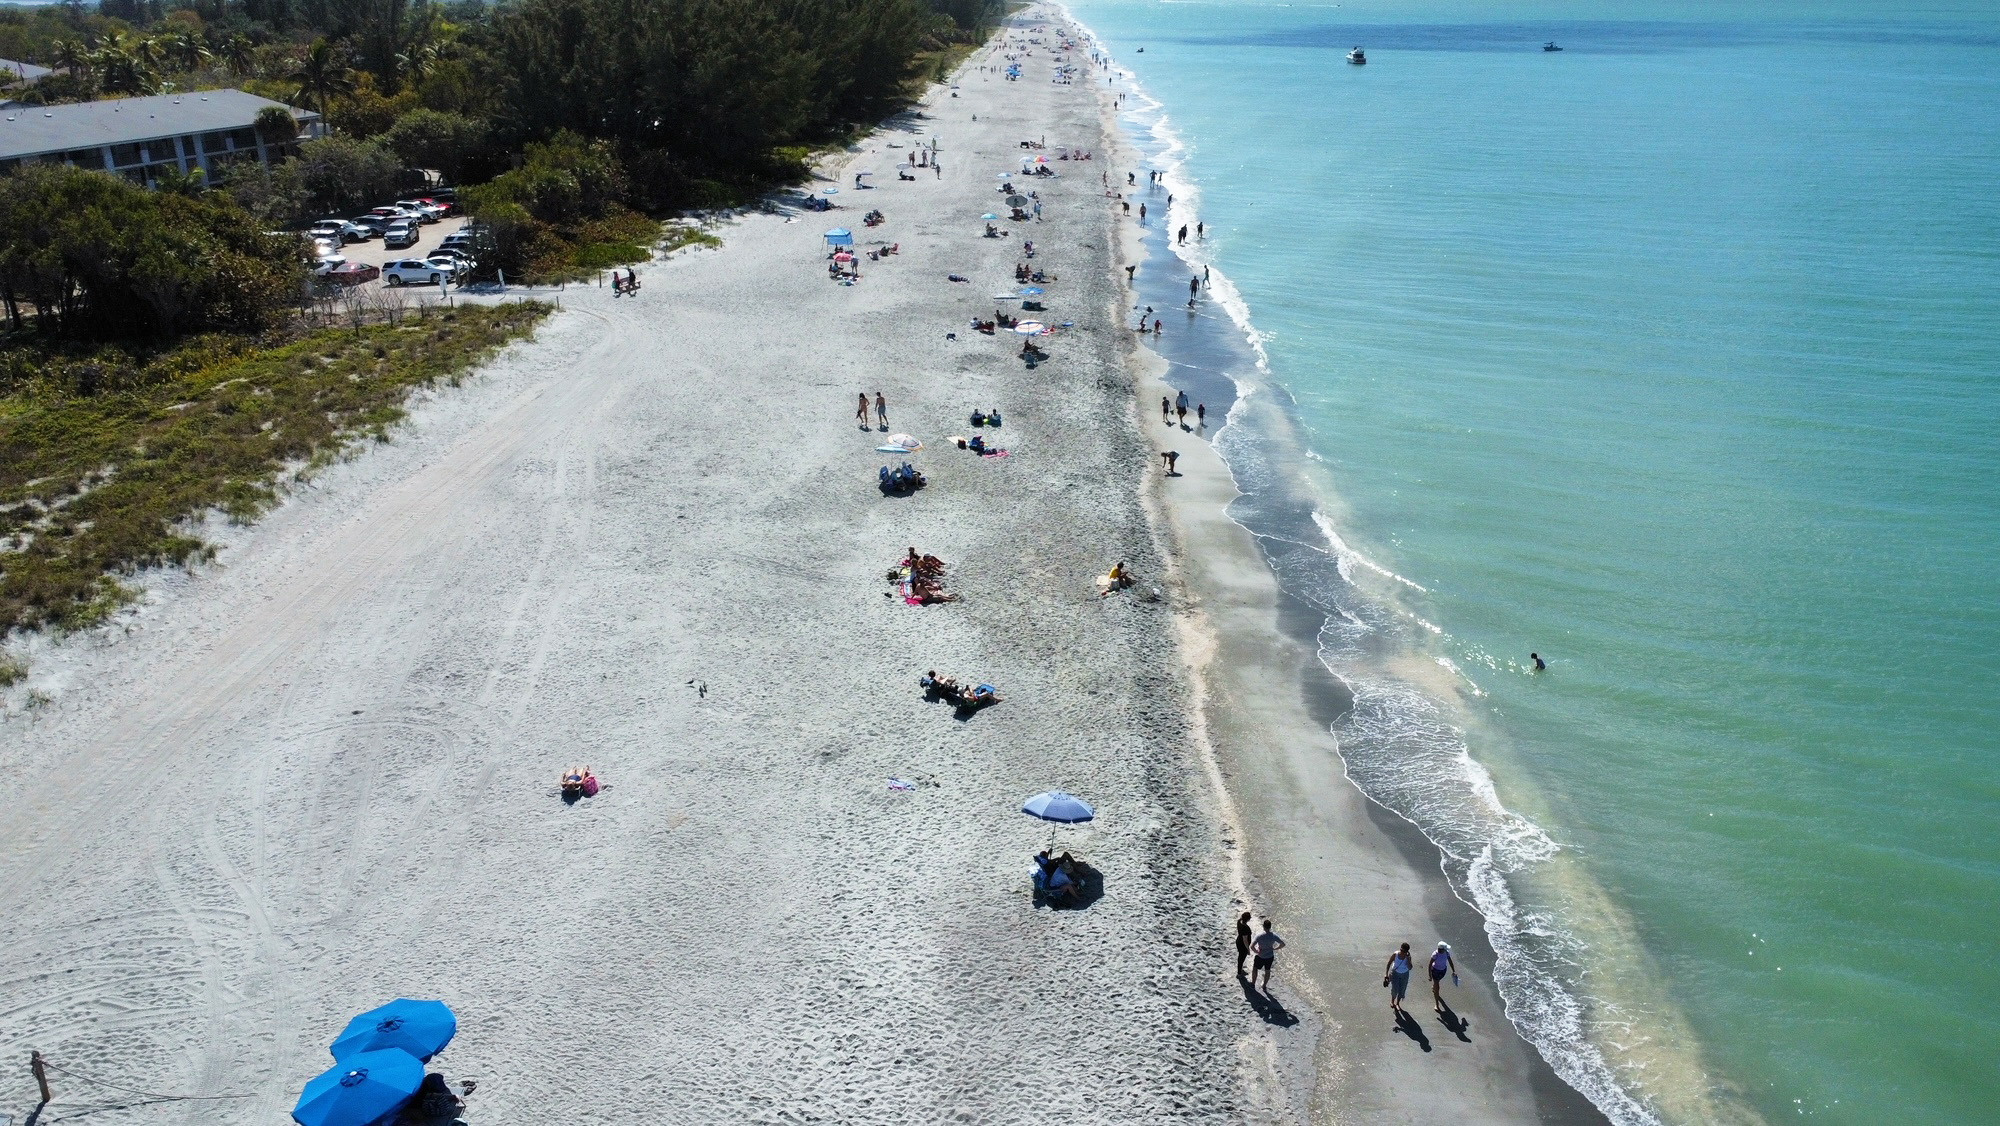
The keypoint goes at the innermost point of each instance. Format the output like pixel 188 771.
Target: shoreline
pixel 1251 649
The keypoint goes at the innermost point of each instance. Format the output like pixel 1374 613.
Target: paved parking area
pixel 428 238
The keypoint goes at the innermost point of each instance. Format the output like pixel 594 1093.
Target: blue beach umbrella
pixel 421 1028
pixel 360 1090
pixel 989 215
pixel 1054 805
pixel 1032 291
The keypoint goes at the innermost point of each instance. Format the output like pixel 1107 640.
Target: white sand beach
pixel 322 773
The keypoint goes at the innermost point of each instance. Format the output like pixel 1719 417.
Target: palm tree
pixel 323 75
pixel 122 63
pixel 238 53
pixel 418 61
pixel 187 50
pixel 150 51
pixel 71 55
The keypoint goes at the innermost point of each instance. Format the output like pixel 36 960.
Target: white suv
pixel 415 271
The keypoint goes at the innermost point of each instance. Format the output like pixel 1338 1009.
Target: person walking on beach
pixel 1197 232
pixel 861 411
pixel 1166 410
pixel 1156 326
pixel 1194 284
pixel 1142 213
pixel 1242 941
pixel 1267 946
pixel 1181 406
pixel 1441 965
pixel 881 410
pixel 1396 975
pixel 1183 230
pixel 1201 415
pixel 1127 205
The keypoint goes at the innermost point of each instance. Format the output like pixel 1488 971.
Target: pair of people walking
pixel 881 410
pixel 1396 975
pixel 1260 949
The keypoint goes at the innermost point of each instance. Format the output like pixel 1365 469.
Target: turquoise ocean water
pixel 1675 357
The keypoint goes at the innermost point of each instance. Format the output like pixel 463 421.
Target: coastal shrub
pixel 99 484
pixel 428 138
pixel 99 258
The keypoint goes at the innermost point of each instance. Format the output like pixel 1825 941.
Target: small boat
pixel 1551 46
pixel 1357 58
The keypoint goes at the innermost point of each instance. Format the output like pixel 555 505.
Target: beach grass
pixel 109 456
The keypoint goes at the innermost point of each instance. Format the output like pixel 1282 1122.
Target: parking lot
pixel 429 237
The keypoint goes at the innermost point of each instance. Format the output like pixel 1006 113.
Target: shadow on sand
pixel 1408 1026
pixel 1089 889
pixel 1267 1006
pixel 1457 1025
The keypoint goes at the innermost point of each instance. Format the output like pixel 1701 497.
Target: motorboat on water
pixel 1357 58
pixel 1551 46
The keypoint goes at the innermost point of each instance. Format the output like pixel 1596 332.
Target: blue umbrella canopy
pixel 840 236
pixel 421 1028
pixel 360 1090
pixel 1058 806
pixel 989 215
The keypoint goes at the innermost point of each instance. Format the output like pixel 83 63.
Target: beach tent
pixel 360 1090
pixel 840 236
pixel 421 1028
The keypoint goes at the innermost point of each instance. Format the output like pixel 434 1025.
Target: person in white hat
pixel 1441 965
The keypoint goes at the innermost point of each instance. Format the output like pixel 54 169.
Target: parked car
pixel 325 247
pixel 392 214
pixel 426 210
pixel 456 259
pixel 401 233
pixel 372 226
pixel 414 271
pixel 352 273
pixel 327 264
pixel 327 228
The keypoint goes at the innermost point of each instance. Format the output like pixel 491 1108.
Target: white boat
pixel 1357 58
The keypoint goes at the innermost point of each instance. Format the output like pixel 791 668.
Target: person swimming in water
pixel 1537 658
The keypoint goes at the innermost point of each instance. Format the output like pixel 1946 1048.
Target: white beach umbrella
pixel 1030 328
pixel 907 441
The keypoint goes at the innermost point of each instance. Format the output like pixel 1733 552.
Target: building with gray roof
pixel 140 138
pixel 13 71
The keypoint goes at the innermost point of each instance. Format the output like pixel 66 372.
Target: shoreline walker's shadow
pixel 1268 1007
